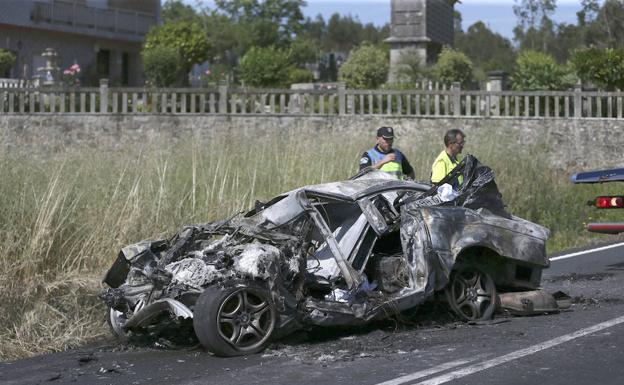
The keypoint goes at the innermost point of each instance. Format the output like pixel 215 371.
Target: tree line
pixel 269 43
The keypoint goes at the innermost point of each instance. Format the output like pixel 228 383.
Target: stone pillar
pixel 103 96
pixel 496 83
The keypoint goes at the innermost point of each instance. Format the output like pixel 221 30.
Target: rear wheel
pixel 471 293
pixel 235 320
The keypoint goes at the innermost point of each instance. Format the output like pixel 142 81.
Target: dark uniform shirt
pixel 366 161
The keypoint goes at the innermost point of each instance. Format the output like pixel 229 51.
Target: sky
pixel 496 14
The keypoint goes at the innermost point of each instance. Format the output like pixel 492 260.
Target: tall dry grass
pixel 64 216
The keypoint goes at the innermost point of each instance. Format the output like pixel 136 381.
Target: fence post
pixel 456 89
pixel 578 102
pixel 103 96
pixel 223 96
pixel 341 98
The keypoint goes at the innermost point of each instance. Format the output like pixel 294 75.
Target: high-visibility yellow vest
pixel 442 166
pixel 395 168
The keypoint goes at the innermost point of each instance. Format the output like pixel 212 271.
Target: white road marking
pixel 426 372
pixel 521 353
pixel 586 251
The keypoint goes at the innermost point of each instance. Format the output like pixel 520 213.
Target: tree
pixel 487 50
pixel 453 66
pixel 278 19
pixel 539 71
pixel 366 67
pixel 265 67
pixel 161 65
pixel 186 38
pixel 535 27
pixel 345 32
pixel 175 10
pixel 7 60
pixel 303 50
pixel 603 67
pixel 606 30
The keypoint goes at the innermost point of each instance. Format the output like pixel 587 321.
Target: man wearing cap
pixel 385 158
pixel 449 158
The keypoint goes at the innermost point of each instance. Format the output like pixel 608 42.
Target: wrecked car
pixel 341 253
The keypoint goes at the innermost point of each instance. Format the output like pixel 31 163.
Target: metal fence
pixel 453 102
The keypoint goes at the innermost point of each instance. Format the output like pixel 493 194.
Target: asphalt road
pixel 579 346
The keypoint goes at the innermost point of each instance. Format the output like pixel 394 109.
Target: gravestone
pixel 419 27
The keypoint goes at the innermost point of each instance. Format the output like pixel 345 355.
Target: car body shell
pixel 339 253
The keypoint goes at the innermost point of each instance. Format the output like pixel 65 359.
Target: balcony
pixel 72 17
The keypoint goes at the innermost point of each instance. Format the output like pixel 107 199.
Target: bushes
pixel 603 67
pixel 538 71
pixel 453 66
pixel 299 75
pixel 186 40
pixel 271 67
pixel 265 67
pixel 161 65
pixel 7 59
pixel 366 67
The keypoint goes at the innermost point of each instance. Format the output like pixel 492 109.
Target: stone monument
pixel 420 27
pixel 49 73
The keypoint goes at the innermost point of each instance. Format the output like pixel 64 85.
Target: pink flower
pixel 208 72
pixel 67 72
pixel 75 67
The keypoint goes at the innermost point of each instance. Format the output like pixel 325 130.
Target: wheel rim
pixel 245 319
pixel 117 320
pixel 472 294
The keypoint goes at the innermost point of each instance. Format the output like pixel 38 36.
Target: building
pixel 422 27
pixel 103 37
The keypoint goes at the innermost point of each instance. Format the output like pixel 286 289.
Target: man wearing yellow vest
pixel 385 158
pixel 449 158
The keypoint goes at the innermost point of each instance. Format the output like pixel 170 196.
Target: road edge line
pixel 588 251
pixel 522 352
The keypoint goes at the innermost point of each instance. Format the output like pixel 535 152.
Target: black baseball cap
pixel 386 132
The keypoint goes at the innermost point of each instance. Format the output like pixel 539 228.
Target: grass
pixel 64 215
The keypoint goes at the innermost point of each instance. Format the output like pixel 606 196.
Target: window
pixel 103 63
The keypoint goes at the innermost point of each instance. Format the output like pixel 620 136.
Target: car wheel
pixel 235 320
pixel 116 321
pixel 471 294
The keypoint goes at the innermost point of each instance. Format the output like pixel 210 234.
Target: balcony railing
pixel 70 16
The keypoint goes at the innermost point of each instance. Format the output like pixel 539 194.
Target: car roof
pixel 371 183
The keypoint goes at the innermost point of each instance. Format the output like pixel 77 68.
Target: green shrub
pixel 453 66
pixel 187 39
pixel 299 75
pixel 367 67
pixel 603 67
pixel 161 65
pixel 7 60
pixel 265 67
pixel 536 71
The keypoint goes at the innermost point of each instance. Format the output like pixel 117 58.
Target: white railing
pixel 239 101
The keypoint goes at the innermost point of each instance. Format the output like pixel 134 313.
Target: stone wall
pixel 570 143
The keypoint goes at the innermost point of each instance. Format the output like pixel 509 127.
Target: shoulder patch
pixel 364 160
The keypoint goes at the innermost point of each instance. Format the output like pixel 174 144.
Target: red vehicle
pixel 604 202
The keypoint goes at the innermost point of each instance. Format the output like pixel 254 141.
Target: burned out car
pixel 341 253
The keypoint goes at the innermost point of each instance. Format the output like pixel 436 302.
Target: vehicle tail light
pixel 609 202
